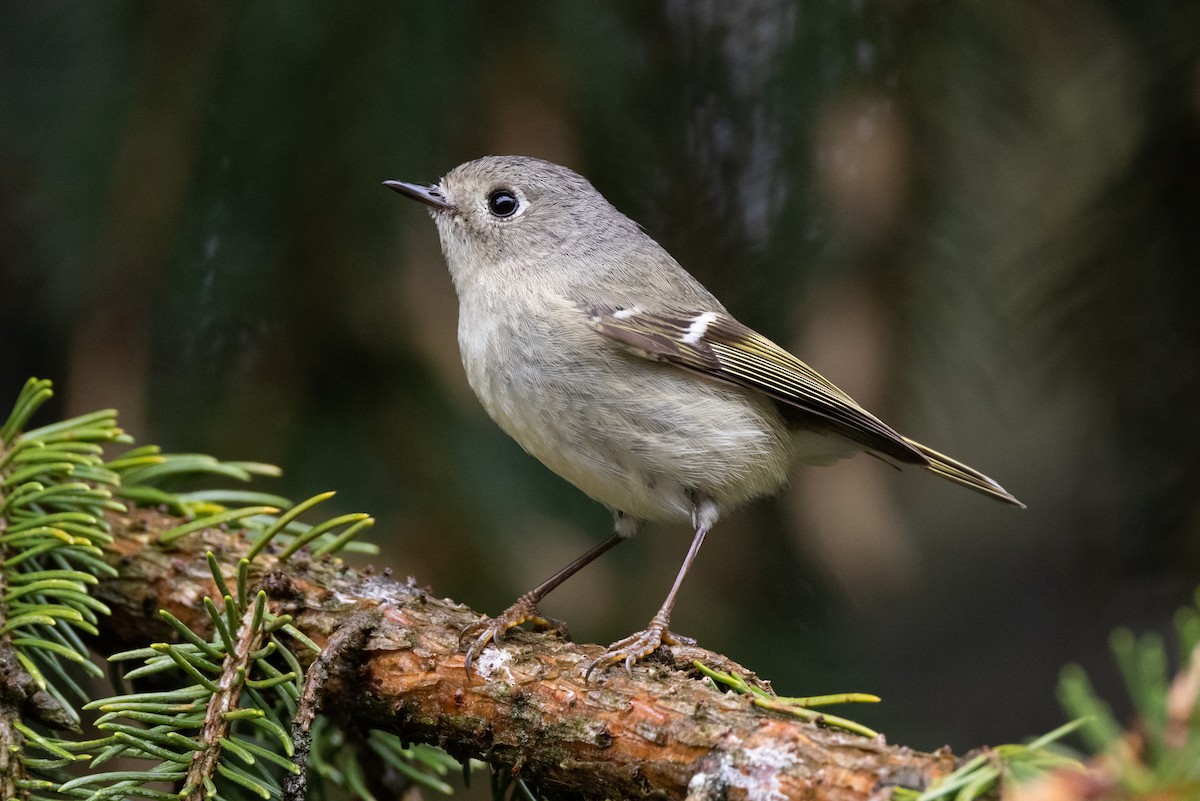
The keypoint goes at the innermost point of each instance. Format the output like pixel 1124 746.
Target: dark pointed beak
pixel 428 194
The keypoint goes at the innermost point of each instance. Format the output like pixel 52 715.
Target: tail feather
pixel 959 473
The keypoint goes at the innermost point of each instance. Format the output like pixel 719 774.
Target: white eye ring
pixel 504 204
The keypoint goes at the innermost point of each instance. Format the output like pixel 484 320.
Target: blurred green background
pixel 981 219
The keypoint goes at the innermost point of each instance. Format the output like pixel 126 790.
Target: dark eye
pixel 502 203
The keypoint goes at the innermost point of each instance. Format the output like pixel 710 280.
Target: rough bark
pixel 660 732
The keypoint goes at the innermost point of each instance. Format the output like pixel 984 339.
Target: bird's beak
pixel 429 194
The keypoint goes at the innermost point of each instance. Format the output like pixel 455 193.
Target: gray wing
pixel 716 345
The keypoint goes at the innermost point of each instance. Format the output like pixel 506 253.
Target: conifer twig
pixel 662 730
pixel 348 639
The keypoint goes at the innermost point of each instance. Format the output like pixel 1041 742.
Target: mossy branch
pixel 256 627
pixel 664 730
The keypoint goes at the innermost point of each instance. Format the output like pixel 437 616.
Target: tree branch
pixel 659 732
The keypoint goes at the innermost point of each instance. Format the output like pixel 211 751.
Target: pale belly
pixel 633 447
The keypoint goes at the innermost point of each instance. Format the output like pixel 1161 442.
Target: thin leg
pixel 643 643
pixel 549 585
pixel 525 609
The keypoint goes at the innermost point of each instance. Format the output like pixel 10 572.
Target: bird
pixel 594 349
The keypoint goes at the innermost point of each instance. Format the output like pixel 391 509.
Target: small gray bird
pixel 601 356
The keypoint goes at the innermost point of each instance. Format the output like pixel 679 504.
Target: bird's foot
pixel 638 646
pixel 492 629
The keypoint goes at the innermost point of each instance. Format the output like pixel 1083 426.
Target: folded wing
pixel 718 346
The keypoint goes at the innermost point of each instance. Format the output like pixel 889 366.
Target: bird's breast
pixel 638 436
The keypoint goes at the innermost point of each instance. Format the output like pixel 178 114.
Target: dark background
pixel 979 218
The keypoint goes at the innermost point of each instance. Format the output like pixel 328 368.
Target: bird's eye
pixel 502 203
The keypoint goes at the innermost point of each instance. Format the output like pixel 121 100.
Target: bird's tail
pixel 959 473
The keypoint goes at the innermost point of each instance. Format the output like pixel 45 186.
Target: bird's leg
pixel 643 643
pixel 525 609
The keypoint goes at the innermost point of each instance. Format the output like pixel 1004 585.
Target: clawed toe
pixel 484 632
pixel 636 647
pixel 492 629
